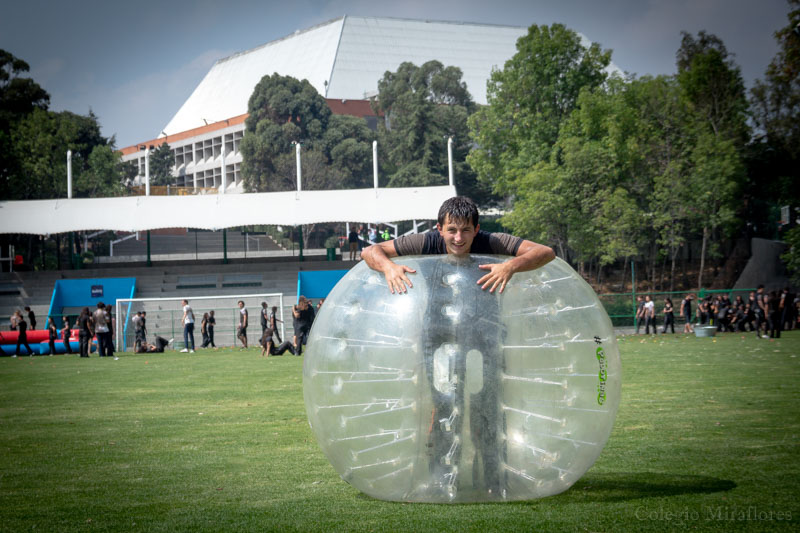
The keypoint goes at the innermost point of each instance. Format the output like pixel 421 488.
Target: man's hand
pixel 396 277
pixel 499 274
pixel 378 257
pixel 530 256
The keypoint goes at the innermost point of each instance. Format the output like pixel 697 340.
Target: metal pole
pixel 375 166
pixel 147 180
pixel 450 160
pixel 299 168
pixel 224 177
pixel 69 173
pixel 224 246
pixel 149 262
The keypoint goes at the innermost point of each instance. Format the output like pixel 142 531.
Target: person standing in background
pixel 188 327
pixel 110 333
pixel 31 318
pixel 241 333
pixel 85 331
pixel 669 316
pixel 22 336
pixel 352 239
pixel 273 322
pixel 100 328
pixel 52 334
pixel 264 315
pixel 204 330
pixel 649 315
pixel 686 313
pixel 639 313
pixel 65 334
pixel 210 328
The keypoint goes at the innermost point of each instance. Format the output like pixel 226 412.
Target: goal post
pixel 164 318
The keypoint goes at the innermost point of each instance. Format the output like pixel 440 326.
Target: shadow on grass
pixel 622 486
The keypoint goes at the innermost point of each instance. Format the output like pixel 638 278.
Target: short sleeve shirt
pixel 189 314
pixel 432 243
pixel 242 315
pixel 100 324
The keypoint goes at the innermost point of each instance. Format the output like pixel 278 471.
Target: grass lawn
pixel 706 439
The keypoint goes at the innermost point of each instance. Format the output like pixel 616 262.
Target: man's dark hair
pixel 459 208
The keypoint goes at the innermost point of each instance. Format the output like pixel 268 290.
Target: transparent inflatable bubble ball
pixel 449 393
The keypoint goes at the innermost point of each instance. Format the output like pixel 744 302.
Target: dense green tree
pixel 422 107
pixel 528 100
pixel 336 151
pixel 39 145
pixel 161 162
pixel 792 256
pixel 775 154
pixel 347 145
pixel 19 96
pixel 713 87
pixel 102 175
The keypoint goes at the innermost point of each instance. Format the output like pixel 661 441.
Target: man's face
pixel 241 304
pixel 458 235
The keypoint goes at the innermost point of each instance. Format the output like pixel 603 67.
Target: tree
pixel 528 100
pixel 792 255
pixel 284 111
pixel 347 145
pixel 161 162
pixel 102 175
pixel 39 146
pixel 713 86
pixel 18 97
pixel 776 113
pixel 422 107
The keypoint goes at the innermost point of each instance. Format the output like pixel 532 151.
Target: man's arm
pixel 378 257
pixel 530 256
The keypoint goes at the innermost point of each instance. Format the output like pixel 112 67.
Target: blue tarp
pixel 317 284
pixel 88 292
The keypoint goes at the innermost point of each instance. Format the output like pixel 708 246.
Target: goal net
pixel 164 318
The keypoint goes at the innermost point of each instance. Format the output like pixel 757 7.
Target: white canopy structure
pixel 218 211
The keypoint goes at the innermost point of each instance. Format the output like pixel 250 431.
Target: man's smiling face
pixel 458 235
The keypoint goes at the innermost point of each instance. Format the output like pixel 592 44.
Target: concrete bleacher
pixel 186 280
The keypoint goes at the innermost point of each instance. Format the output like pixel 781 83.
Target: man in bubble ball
pixel 458 234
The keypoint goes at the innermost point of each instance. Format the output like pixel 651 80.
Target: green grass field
pixel 706 439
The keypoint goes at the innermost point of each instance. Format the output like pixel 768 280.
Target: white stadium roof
pixel 345 58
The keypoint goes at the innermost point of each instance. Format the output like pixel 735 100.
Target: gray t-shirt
pixel 432 243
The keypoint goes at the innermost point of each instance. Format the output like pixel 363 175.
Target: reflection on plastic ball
pixel 453 394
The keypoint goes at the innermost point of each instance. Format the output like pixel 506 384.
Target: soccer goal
pixel 164 318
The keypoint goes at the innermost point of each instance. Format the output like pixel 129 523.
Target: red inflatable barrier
pixel 35 335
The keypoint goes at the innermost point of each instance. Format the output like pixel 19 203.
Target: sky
pixel 135 63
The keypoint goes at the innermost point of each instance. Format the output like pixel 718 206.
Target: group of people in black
pixel 97 323
pixel 765 313
pixel 303 315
